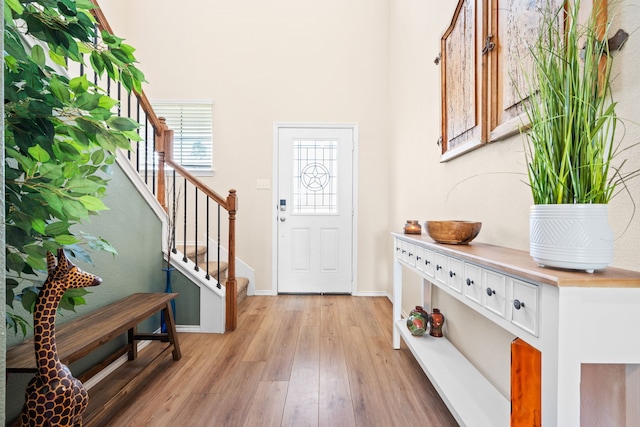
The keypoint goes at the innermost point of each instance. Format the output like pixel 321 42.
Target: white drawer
pixel 408 252
pixel 441 272
pixel 472 282
pixel 420 258
pixel 524 306
pixel 455 274
pixel 429 262
pixel 398 248
pixel 495 292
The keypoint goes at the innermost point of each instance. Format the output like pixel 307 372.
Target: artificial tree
pixel 61 135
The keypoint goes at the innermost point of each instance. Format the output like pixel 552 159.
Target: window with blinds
pixel 191 123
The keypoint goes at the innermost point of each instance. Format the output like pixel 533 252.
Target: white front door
pixel 315 209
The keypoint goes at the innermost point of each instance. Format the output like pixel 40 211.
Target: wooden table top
pixel 519 263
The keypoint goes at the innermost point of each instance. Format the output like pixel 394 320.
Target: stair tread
pixel 242 283
pixel 213 267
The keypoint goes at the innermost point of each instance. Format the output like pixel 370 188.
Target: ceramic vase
pixel 437 321
pixel 412 227
pixel 417 321
pixel 571 236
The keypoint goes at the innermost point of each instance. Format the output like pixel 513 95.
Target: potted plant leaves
pixel 573 158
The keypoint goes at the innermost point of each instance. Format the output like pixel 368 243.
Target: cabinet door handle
pixel 469 282
pixel 517 304
pixel 451 273
pixel 490 292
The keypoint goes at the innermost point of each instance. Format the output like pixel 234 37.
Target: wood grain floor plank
pixel 330 316
pixel 369 403
pixel 382 311
pixel 335 405
pixel 405 394
pixel 268 404
pixel 368 317
pixel 281 351
pixel 284 366
pixel 311 313
pixel 348 314
pixel 230 407
pixel 301 407
pixel 230 348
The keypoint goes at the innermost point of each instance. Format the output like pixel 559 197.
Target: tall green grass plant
pixel 572 118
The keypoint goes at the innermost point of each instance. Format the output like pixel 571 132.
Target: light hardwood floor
pixel 293 361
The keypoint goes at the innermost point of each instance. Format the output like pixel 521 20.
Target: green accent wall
pixel 188 302
pixel 134 229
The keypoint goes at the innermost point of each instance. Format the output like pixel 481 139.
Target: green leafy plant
pixel 572 120
pixel 60 137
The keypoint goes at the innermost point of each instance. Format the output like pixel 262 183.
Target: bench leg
pixel 133 344
pixel 171 331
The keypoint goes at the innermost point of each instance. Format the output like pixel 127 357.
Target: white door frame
pixel 275 201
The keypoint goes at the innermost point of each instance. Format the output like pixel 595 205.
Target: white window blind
pixel 191 123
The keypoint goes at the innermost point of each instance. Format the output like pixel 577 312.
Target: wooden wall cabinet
pixel 483 54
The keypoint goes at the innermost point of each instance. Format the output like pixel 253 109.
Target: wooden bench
pixel 82 335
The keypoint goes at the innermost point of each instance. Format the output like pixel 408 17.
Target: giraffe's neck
pixel 44 321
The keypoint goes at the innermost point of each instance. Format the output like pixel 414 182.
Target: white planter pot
pixel 571 236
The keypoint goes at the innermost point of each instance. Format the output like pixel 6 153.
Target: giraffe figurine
pixel 54 397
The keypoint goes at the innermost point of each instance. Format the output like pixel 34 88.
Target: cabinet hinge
pixel 488 44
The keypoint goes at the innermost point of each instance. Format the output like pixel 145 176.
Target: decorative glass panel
pixel 315 185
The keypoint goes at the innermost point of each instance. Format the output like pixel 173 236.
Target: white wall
pixel 368 62
pixel 266 62
pixel 488 184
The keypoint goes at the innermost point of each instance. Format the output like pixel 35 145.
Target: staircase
pixel 218 269
pixel 203 212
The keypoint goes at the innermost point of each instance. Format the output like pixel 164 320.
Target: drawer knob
pixel 427 262
pixel 403 251
pixel 438 267
pixel 410 254
pixel 418 258
pixel 469 282
pixel 490 292
pixel 517 304
pixel 451 273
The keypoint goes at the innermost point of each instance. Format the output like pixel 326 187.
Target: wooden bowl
pixel 453 232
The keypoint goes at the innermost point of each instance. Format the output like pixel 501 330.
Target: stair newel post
pixel 231 284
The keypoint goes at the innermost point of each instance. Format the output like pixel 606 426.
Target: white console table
pixel 571 317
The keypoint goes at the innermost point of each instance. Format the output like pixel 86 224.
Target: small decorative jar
pixel 417 321
pixel 437 320
pixel 412 227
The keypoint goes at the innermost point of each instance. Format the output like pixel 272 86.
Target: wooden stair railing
pixel 163 147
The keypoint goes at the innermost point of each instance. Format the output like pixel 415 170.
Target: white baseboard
pixel 188 328
pixel 358 294
pixel 373 294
